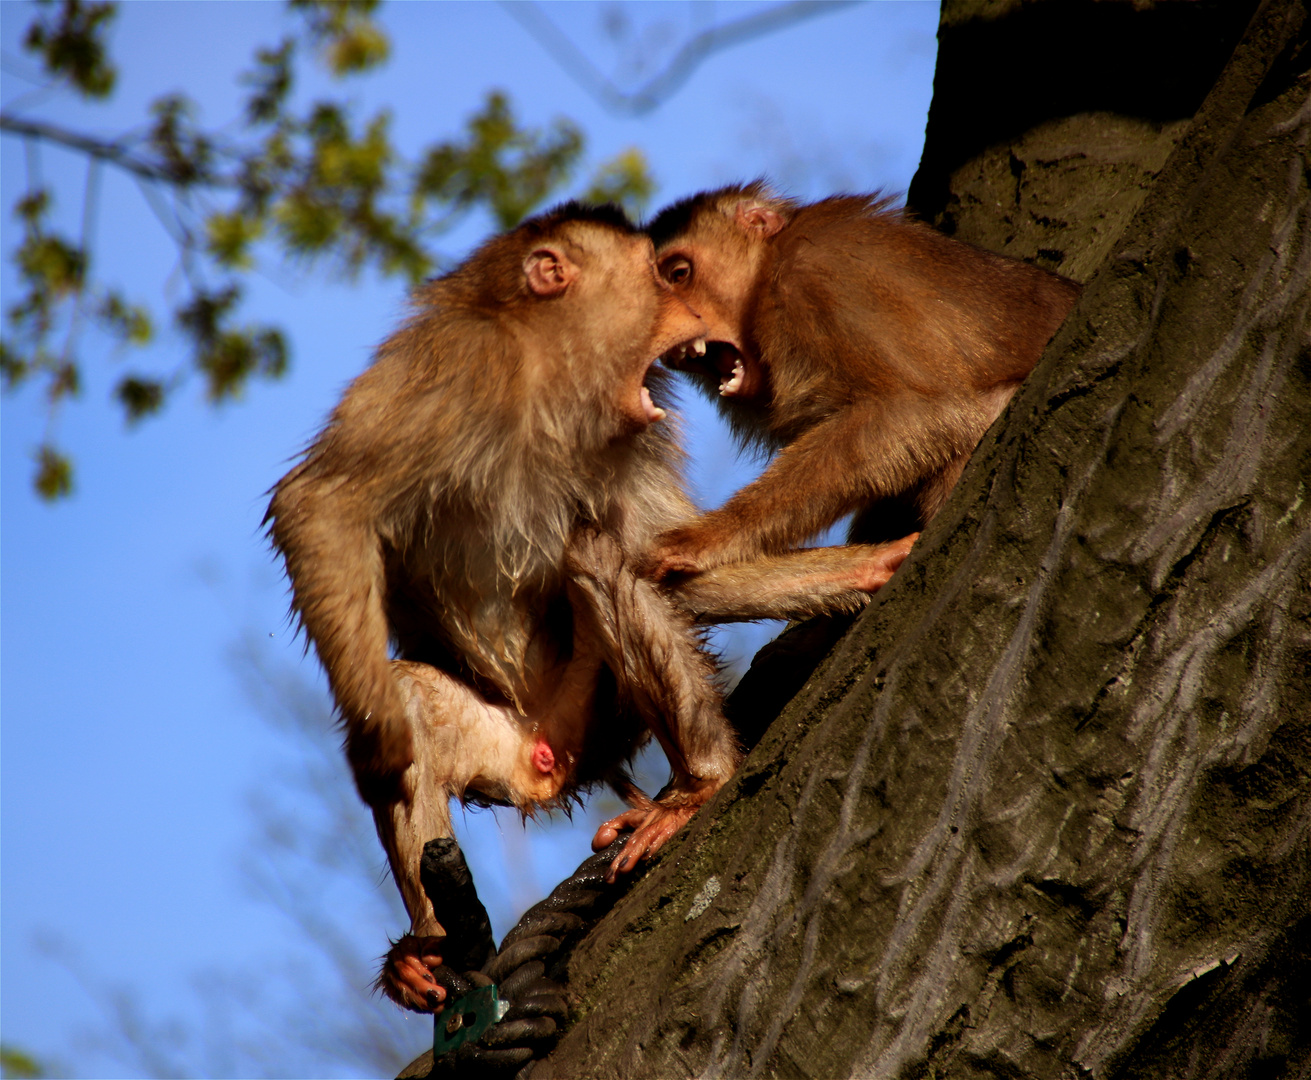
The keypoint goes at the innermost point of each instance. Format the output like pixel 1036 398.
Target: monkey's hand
pixel 653 825
pixel 685 549
pixel 409 973
pixel 883 563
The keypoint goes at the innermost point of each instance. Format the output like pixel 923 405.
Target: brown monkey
pixel 868 350
pixel 434 508
pixel 472 501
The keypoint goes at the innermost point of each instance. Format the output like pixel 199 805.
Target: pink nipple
pixel 543 757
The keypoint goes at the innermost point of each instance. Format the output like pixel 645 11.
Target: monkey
pixel 477 501
pixel 868 352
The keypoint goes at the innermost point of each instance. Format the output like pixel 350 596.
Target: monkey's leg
pixel 859 455
pixel 460 740
pixel 933 491
pixel 334 559
pixel 816 581
pixel 654 654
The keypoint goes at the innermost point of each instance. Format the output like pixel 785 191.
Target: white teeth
pixel 653 411
pixel 682 352
pixel 733 385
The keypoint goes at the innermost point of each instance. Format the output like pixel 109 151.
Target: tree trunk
pixel 1044 811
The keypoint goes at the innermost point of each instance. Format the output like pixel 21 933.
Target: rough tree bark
pixel 1044 811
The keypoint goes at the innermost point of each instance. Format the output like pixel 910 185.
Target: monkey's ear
pixel 762 219
pixel 549 272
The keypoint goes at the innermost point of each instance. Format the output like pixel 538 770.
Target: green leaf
pixel 235 355
pixel 31 207
pixel 228 356
pixel 625 179
pixel 361 47
pixel 351 40
pixel 184 152
pixel 344 163
pixel 65 381
pixel 127 322
pixel 51 263
pixel 306 225
pixel 71 45
pixel 229 236
pixel 201 318
pixel 320 183
pixel 13 368
pixel 512 170
pixel 139 396
pixel 272 81
pixel 54 473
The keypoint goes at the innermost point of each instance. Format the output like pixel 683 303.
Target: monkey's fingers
pixel 407 975
pixel 656 828
pixel 609 831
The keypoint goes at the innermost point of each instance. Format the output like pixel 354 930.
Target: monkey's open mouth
pixel 716 359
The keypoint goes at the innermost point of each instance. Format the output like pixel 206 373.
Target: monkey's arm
pixel 816 581
pixel 863 452
pixel 334 560
pixel 654 654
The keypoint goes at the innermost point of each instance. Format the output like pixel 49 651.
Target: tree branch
pixel 657 89
pixel 113 151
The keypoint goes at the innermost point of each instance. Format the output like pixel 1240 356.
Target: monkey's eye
pixel 677 271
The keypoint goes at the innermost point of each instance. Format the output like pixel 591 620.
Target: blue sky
pixel 133 615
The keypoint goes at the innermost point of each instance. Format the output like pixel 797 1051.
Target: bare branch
pixel 114 151
pixel 532 18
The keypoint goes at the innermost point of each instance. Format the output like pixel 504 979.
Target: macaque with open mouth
pixel 867 351
pixel 475 506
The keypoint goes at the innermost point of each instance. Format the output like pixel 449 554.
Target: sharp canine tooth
pixel 699 346
pixel 731 385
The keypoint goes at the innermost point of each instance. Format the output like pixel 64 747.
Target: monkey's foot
pixel 652 826
pixel 407 973
pixel 884 562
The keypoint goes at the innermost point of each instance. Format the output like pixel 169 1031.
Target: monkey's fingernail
pixel 433 998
